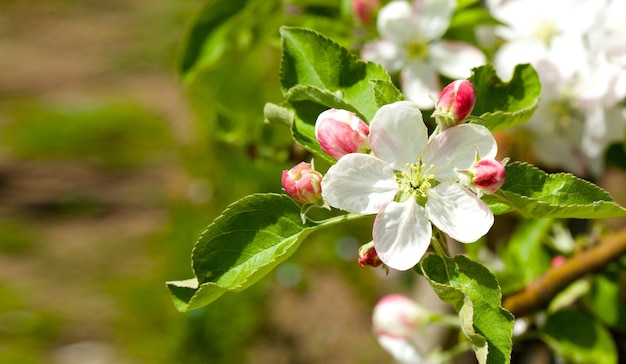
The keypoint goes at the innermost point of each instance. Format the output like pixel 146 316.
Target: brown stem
pixel 540 292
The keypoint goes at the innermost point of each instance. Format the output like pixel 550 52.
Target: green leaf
pixel 605 298
pixel 206 20
pixel 579 339
pixel 385 92
pixel 471 17
pixel 537 194
pixel 310 59
pixel 276 114
pixel 475 294
pixel 221 28
pixel 501 105
pixel 524 255
pixel 247 241
pixel 303 127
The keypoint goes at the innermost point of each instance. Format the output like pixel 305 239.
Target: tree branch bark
pixel 540 292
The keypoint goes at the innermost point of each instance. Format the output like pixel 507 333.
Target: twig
pixel 540 292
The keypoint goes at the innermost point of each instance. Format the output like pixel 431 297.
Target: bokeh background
pixel 108 175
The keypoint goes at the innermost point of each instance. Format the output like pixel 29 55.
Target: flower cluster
pixel 578 48
pixel 409 180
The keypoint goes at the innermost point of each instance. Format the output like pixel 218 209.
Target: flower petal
pixel 398 134
pixel 458 212
pixel 455 148
pixel 433 17
pixel 420 83
pixel 359 184
pixel 401 234
pixel 401 349
pixel 455 59
pixel 396 22
pixel 386 53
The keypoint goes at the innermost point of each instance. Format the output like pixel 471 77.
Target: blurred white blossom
pixel 578 47
pixel 411 43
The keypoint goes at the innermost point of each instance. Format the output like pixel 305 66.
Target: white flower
pixel 410 180
pixel 579 50
pixel 411 43
pixel 396 320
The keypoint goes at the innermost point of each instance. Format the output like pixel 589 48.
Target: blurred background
pixel 108 175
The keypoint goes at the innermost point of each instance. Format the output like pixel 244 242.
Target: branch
pixel 540 292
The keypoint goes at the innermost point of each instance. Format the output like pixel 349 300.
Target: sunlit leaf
pixel 475 294
pixel 534 193
pixel 501 105
pixel 311 59
pixel 241 246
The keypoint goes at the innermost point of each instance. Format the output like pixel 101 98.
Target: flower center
pixel 414 181
pixel 562 113
pixel 418 49
pixel 546 31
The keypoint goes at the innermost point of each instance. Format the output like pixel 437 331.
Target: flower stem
pixel 438 242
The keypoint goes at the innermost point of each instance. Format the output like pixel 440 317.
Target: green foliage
pixel 318 73
pixel 524 255
pixel 247 241
pixel 605 298
pixel 579 339
pixel 475 294
pixel 501 105
pixel 536 194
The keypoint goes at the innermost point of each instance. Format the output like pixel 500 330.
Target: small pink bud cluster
pixel 368 256
pixel 455 103
pixel 488 175
pixel 397 316
pixel 364 10
pixel 303 183
pixel 340 132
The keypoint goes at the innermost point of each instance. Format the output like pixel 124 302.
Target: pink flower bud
pixel 303 183
pixel 368 256
pixel 397 316
pixel 488 175
pixel 455 103
pixel 341 132
pixel 558 261
pixel 364 10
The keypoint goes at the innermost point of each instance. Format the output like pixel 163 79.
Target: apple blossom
pixel 411 43
pixel 303 183
pixel 396 318
pixel 340 132
pixel 455 103
pixel 411 181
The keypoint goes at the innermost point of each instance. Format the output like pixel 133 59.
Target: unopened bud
pixel 558 261
pixel 364 10
pixel 368 256
pixel 455 103
pixel 398 316
pixel 303 183
pixel 340 132
pixel 488 175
